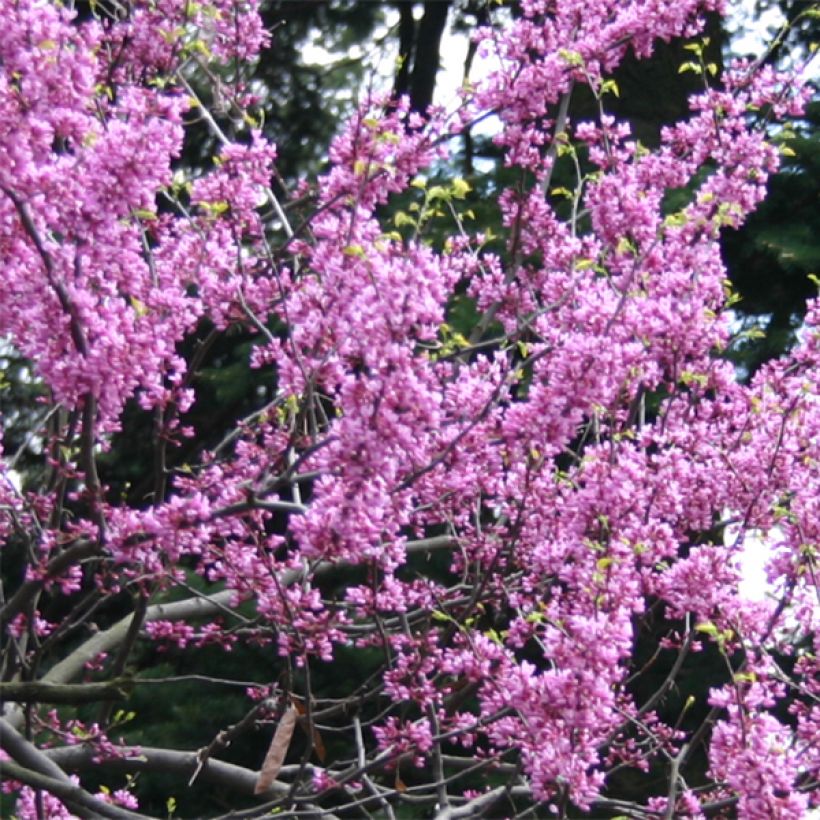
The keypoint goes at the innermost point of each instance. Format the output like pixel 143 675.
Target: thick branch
pixel 189 609
pixel 178 762
pixel 30 766
pixel 74 797
pixel 478 805
pixel 40 692
pixel 407 38
pixel 74 664
pixel 26 754
pixel 427 54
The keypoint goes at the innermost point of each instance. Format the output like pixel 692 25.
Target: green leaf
pixel 215 208
pixel 144 213
pixel 626 245
pixel 493 635
pixel 401 219
pixel 689 377
pixel 438 192
pixel 460 188
pixel 610 87
pixel 355 250
pixel 571 58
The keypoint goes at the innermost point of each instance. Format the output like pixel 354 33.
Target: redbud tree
pixel 520 540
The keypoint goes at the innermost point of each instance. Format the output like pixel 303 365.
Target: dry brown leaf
pixel 278 750
pixel 400 785
pixel 318 743
pixel 319 746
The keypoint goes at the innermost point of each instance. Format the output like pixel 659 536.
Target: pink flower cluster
pixel 573 458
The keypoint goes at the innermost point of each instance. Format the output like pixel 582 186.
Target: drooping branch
pixel 32 767
pixel 76 798
pixel 26 754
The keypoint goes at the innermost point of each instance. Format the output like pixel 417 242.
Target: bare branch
pixel 179 762
pixel 40 692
